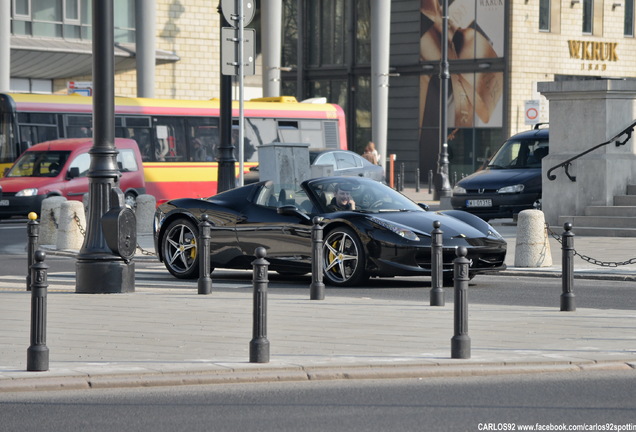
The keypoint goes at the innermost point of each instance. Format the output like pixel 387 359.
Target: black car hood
pixel 498 178
pixel 422 222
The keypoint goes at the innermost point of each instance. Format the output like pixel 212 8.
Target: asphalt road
pixel 555 401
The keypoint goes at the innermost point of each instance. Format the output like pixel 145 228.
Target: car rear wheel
pixel 343 258
pixel 179 247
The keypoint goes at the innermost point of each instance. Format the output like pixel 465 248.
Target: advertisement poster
pixel 475 34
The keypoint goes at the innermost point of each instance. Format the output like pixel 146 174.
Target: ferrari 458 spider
pixel 369 230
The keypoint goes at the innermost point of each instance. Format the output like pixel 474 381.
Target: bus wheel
pixel 179 247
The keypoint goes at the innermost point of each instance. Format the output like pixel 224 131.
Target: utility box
pixel 286 164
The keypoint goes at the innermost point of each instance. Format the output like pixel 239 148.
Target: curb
pixel 261 374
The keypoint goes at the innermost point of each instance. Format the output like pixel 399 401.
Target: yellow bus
pixel 178 139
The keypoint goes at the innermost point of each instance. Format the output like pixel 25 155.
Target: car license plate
pixel 479 203
pixel 4 202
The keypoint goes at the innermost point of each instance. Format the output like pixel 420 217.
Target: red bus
pixel 178 139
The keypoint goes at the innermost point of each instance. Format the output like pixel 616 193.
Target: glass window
pixel 363 31
pixel 22 9
pixel 171 142
pixel 203 134
pixel 544 15
pixel 346 160
pixel 82 163
pixel 71 11
pixel 629 18
pixel 126 160
pixel 39 164
pixel 588 8
pixel 289 54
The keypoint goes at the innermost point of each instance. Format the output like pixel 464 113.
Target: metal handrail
pixel 566 164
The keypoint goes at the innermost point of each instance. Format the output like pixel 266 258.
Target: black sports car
pixel 380 233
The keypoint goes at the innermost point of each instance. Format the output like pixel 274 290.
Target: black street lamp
pixel 442 166
pixel 98 268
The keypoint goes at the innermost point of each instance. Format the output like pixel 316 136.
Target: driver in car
pixel 342 199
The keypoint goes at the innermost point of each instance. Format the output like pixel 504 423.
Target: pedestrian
pixel 371 154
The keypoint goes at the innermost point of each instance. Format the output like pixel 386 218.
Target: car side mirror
pixel 73 172
pixel 292 210
pixel 424 206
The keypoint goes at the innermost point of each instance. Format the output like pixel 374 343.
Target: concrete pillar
pixel 582 115
pixel 532 248
pixel 72 223
pixel 145 25
pixel 50 219
pixel 271 19
pixel 380 49
pixel 145 212
pixel 5 46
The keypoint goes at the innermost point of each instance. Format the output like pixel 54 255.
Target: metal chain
pixel 144 251
pixel 588 258
pixel 79 225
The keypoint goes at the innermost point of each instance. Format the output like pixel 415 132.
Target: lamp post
pixel 444 183
pixel 98 269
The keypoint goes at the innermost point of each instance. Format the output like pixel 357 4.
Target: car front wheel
pixel 179 247
pixel 343 258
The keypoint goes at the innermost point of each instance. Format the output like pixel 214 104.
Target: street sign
pixel 230 11
pixel 531 112
pixel 229 51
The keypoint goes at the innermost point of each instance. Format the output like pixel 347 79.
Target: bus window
pixel 289 131
pixel 79 126
pixel 171 143
pixel 203 136
pixel 143 137
pixel 36 134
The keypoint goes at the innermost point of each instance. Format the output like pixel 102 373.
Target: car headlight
pixel 401 231
pixel 511 189
pixel 27 192
pixel 458 190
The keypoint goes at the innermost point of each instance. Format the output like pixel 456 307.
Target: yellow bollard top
pixel 33 216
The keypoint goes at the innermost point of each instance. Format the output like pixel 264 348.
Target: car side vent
pixel 331 134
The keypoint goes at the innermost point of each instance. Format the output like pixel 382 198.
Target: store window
pixel 544 15
pixel 588 19
pixel 629 18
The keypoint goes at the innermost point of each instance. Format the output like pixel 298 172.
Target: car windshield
pixel 39 164
pixel 368 195
pixel 517 154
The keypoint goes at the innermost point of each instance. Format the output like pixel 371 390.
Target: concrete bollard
pixel 145 212
pixel 532 247
pixel 72 225
pixel 50 219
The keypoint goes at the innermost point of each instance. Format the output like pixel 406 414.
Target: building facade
pixel 498 51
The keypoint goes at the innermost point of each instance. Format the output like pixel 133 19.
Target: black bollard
pixel 38 352
pixel 567 273
pixel 33 232
pixel 205 282
pixel 317 287
pixel 460 342
pixel 417 179
pixel 437 265
pixel 401 177
pixel 430 181
pixel 259 345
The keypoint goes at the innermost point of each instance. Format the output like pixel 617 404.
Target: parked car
pixel 343 162
pixel 59 168
pixel 510 183
pixel 386 234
